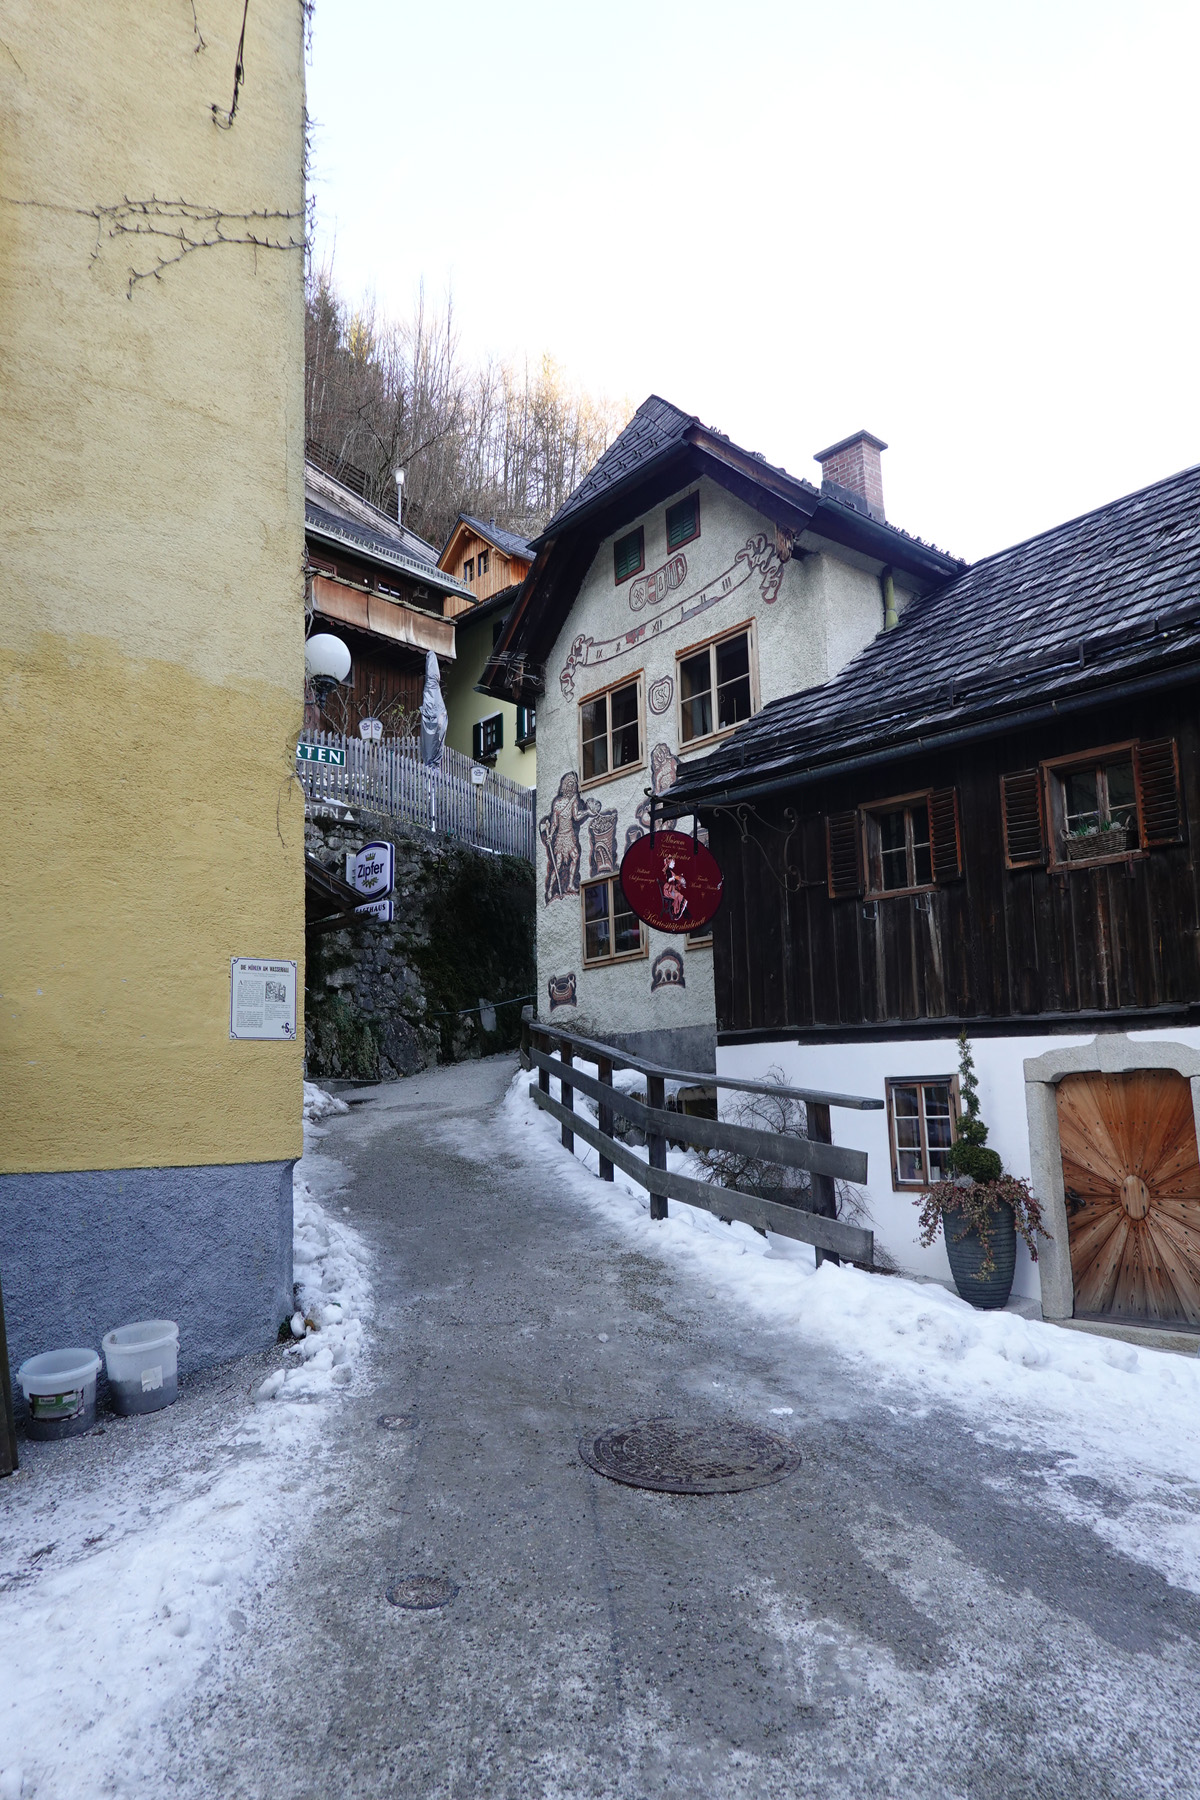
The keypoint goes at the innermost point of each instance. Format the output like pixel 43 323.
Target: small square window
pixel 683 521
pixel 922 1125
pixel 899 849
pixel 629 555
pixel 610 731
pixel 612 932
pixel 487 737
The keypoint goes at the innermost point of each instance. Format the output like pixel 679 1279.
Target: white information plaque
pixel 262 998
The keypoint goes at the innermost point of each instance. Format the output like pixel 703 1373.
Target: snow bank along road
pixel 136 1560
pixel 939 1602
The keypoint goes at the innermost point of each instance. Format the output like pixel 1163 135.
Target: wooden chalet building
pixel 487 559
pixel 493 563
pixel 377 586
pixel 989 821
pixel 685 584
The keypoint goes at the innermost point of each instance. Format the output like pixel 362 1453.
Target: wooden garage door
pixel 1133 1194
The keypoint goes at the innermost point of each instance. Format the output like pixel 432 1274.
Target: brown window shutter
pixel 944 840
pixel 1024 828
pixel 1160 805
pixel 842 845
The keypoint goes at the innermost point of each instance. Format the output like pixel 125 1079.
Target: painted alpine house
pixel 988 821
pixel 685 582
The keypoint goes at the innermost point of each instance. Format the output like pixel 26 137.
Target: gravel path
pixel 903 1616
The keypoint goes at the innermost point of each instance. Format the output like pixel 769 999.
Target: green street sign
pixel 321 753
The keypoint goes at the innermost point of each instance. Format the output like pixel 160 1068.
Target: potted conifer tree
pixel 980 1209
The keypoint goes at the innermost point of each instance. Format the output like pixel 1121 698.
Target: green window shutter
pixel 627 554
pixel 683 521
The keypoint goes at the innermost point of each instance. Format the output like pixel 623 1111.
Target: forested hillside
pixel 504 440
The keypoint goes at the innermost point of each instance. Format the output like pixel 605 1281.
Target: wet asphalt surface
pixel 905 1615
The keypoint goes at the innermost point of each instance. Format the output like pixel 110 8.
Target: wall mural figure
pixel 667 971
pixel 561 989
pixel 661 694
pixel 758 556
pixel 603 833
pixel 559 832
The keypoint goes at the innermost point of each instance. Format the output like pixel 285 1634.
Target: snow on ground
pixel 1097 1410
pixel 129 1564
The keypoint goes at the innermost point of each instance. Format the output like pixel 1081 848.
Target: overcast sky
pixel 969 228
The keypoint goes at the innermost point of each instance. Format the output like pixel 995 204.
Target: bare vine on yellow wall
pixel 179 228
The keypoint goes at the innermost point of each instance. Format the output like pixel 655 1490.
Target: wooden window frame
pixel 749 627
pixel 1052 771
pixel 692 535
pixel 481 562
pixel 626 956
pixel 894 804
pixel 468 568
pixel 526 740
pixel 918 1081
pixel 594 781
pixel 639 532
pixel 703 939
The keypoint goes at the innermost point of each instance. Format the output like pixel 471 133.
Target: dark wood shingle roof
pixel 1091 603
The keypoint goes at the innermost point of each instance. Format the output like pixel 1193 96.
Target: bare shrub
pixel 783 1116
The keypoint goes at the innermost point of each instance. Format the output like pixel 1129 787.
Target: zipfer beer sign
pixel 671 882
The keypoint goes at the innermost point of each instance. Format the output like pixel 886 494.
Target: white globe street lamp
pixel 326 663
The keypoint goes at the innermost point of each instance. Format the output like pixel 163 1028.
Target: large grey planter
pixel 966 1252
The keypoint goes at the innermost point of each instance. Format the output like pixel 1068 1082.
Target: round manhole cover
pixel 421 1593
pixel 724 1457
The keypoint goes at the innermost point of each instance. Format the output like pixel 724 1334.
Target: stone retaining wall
pixel 385 1000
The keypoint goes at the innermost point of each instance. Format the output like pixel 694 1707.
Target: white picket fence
pixel 389 777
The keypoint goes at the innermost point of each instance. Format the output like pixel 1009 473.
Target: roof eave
pixel 391 559
pixel 743 785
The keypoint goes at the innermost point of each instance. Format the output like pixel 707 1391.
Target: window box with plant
pixel 979 1209
pixel 1099 806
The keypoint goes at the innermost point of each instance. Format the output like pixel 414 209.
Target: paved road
pixel 905 1616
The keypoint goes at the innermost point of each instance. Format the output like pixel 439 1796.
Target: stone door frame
pixel 1112 1053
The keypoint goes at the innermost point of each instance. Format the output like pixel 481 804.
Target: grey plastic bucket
pixel 143 1365
pixel 60 1388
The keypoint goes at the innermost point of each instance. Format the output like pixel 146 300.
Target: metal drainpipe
pixel 890 616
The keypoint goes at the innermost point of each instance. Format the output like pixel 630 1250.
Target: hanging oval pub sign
pixel 670 882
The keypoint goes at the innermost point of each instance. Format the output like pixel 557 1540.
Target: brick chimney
pixel 851 471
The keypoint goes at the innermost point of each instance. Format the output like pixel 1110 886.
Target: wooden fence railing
pixel 497 814
pixel 825 1162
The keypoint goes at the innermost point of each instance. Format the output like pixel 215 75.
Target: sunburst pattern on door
pixel 1132 1177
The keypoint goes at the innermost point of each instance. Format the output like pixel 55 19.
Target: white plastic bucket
pixel 60 1388
pixel 143 1365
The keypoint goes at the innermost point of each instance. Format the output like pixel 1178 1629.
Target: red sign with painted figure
pixel 670 882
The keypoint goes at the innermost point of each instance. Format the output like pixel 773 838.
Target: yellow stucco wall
pixel 464 707
pixel 151 621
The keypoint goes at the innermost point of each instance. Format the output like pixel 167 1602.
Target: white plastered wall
pixel 1003 1075
pixel 826 609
